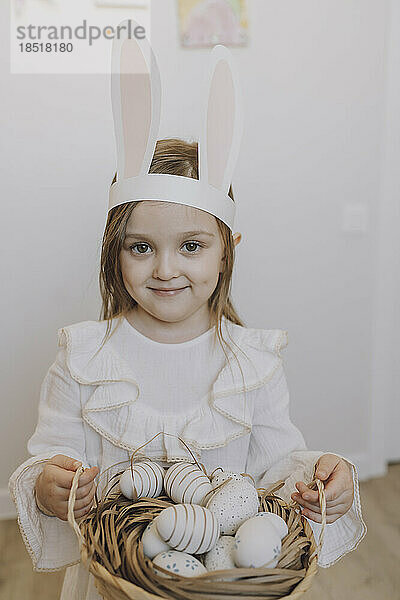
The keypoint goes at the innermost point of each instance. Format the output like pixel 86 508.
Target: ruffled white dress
pixel 98 405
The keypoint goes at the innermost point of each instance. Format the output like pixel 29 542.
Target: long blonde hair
pixel 176 157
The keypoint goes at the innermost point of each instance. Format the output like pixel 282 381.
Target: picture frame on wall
pixel 204 23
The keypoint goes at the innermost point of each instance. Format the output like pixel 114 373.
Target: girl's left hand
pixel 337 476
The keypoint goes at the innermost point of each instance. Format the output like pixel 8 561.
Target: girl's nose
pixel 166 266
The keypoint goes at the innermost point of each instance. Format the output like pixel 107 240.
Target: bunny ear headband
pixel 136 102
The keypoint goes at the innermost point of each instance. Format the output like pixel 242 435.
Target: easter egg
pixel 186 483
pixel 221 476
pixel 188 527
pixel 147 480
pixel 152 543
pixel 277 521
pixel 220 556
pixel 179 563
pixel 233 504
pixel 257 544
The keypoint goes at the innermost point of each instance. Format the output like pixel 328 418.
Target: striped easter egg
pixel 186 482
pixel 188 527
pixel 147 481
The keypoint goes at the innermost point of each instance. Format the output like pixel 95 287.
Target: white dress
pixel 98 405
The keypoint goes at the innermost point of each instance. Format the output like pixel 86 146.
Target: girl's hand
pixel 337 476
pixel 54 483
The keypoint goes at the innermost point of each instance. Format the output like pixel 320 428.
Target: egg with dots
pixel 277 521
pixel 220 556
pixel 178 563
pixel 187 483
pixel 234 502
pixel 258 543
pixel 188 527
pixel 145 479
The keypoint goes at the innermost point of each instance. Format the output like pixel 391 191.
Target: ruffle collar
pixel 112 409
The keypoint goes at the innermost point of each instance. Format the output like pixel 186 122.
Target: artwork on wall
pixel 210 22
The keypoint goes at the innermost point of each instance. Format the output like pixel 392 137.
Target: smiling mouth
pixel 168 292
pixel 168 289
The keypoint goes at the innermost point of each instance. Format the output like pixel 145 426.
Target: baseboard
pixel 7 506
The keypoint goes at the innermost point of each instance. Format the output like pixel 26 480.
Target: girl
pixel 167 375
pixel 170 355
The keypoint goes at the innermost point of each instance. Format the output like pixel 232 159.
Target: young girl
pixel 170 356
pixel 160 371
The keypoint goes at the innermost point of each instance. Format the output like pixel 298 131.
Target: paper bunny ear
pixel 223 122
pixel 136 101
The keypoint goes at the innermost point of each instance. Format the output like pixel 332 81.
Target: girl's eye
pixel 192 247
pixel 140 245
pixel 196 244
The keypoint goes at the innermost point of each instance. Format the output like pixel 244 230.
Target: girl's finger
pixel 326 465
pixel 306 493
pixel 81 492
pixel 342 500
pixel 61 477
pixel 81 512
pixel 64 478
pixel 318 518
pixel 81 502
pixel 333 490
pixel 84 502
pixel 316 508
pixel 88 476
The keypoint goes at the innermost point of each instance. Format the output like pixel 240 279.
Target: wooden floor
pixel 372 572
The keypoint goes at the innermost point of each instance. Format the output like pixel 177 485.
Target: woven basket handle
pixel 315 483
pixel 322 502
pixel 71 504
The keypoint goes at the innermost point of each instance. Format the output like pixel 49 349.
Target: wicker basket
pixel 111 548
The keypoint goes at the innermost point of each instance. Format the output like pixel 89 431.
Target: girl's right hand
pixel 53 485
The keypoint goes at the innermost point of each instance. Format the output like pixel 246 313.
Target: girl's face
pixel 171 246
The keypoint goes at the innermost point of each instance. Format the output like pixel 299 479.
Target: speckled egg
pixel 257 544
pixel 220 557
pixel 188 527
pixel 233 504
pixel 186 483
pixel 277 521
pixel 221 476
pixel 179 563
pixel 147 480
pixel 152 543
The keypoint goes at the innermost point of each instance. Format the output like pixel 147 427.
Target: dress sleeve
pixel 277 451
pixel 51 542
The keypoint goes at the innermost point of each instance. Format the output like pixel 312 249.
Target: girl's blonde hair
pixel 175 157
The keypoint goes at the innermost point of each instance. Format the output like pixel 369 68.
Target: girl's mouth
pixel 168 292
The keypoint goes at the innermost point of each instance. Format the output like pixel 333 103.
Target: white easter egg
pixel 188 527
pixel 186 483
pixel 152 543
pixel 257 544
pixel 220 556
pixel 233 504
pixel 221 476
pixel 179 563
pixel 277 521
pixel 147 480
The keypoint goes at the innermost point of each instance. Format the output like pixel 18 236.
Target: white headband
pixel 136 102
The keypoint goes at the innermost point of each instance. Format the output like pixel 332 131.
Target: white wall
pixel 313 78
